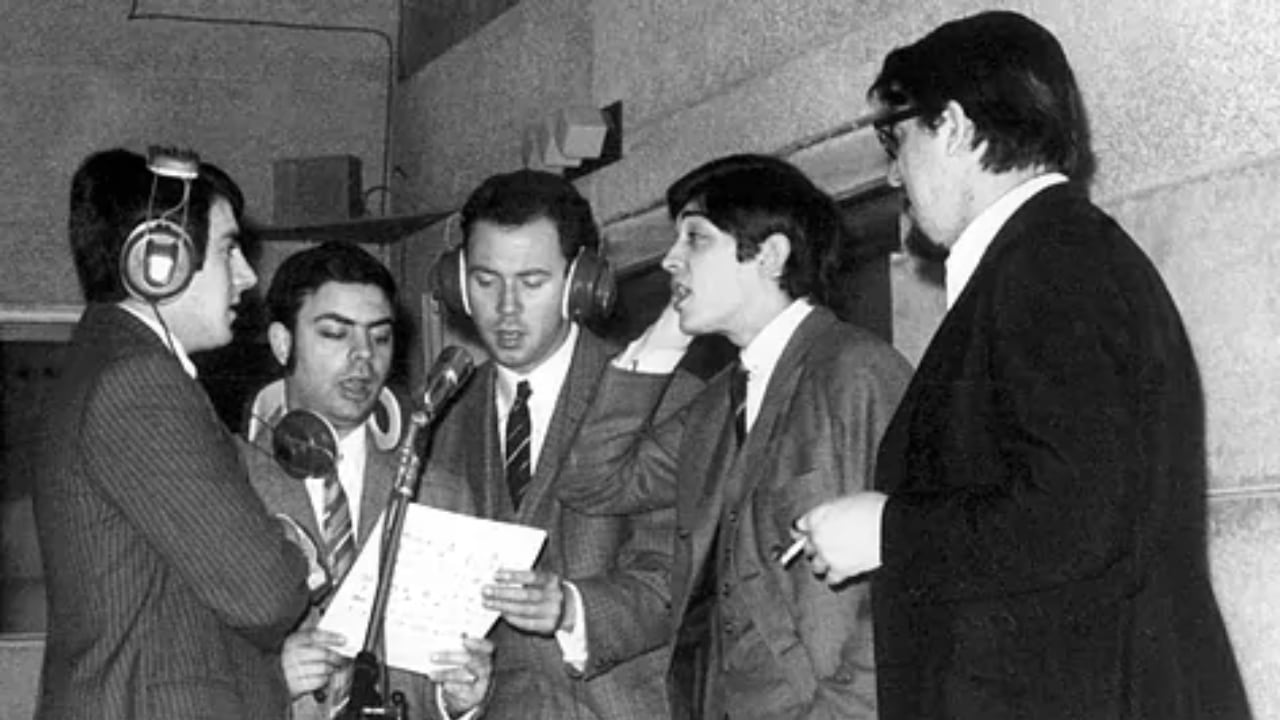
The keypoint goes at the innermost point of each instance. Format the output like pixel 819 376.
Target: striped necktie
pixel 339 538
pixel 738 401
pixel 340 541
pixel 517 459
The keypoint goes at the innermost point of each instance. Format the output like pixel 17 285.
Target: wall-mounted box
pixel 316 190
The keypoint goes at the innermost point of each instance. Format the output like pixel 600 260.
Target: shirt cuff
pixel 653 361
pixel 573 643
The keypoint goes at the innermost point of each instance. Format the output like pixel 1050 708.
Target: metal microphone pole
pixel 369 676
pixel 368 683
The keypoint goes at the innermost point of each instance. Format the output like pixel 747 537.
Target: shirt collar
pixel 761 355
pixel 972 244
pixel 354 444
pixel 545 380
pixel 170 340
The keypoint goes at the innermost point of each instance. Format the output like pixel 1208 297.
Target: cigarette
pixel 785 558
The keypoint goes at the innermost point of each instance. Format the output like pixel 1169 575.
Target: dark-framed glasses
pixel 884 127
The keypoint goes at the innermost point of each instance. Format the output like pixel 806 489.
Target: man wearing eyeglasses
pixel 1038 538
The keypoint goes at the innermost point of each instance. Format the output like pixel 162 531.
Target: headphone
pixel 589 291
pixel 157 260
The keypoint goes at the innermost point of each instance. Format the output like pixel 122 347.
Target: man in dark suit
pixel 333 328
pixel 581 635
pixel 170 588
pixel 758 258
pixel 1038 535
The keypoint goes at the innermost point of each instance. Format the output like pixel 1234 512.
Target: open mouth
pixel 356 388
pixel 679 293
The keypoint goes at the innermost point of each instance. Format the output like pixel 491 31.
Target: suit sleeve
pixel 164 460
pixel 624 458
pixel 1057 432
pixel 830 450
pixel 628 608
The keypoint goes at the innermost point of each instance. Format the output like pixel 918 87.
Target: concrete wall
pixel 1183 107
pixel 80 76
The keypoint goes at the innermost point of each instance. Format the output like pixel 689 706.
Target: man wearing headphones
pixel 582 634
pixel 170 588
pixel 333 325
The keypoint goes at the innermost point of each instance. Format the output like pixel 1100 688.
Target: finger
pixel 803 525
pixel 517 577
pixel 326 638
pixel 478 646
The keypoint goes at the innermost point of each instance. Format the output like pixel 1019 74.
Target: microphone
pixel 450 372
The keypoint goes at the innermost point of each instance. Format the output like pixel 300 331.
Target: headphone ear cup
pixel 449 281
pixel 157 260
pixel 591 289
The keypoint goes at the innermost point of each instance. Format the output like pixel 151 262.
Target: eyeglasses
pixel 885 125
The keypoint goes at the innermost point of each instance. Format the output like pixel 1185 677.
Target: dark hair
pixel 524 196
pixel 754 196
pixel 111 194
pixel 303 273
pixel 1012 79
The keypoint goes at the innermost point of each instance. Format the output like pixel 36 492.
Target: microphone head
pixel 305 445
pixel 451 370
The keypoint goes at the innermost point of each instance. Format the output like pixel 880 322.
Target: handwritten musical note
pixel 444 560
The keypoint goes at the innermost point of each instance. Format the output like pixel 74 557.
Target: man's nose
pixel 893 174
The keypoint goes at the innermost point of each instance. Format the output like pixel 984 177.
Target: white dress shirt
pixel 545 383
pixel 760 356
pixel 350 465
pixel 972 244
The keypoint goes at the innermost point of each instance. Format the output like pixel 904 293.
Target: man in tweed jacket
pixel 582 635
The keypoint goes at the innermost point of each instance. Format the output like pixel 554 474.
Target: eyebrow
pixel 522 273
pixel 344 320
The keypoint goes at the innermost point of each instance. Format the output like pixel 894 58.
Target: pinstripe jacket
pixel 619 564
pixel 170 588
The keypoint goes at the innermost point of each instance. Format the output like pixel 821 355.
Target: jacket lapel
pixel 589 359
pixel 781 388
pixel 280 492
pixel 379 477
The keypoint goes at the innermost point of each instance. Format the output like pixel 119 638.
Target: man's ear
pixel 281 341
pixel 773 255
pixel 957 125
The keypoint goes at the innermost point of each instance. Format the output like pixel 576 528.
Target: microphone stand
pixel 369 678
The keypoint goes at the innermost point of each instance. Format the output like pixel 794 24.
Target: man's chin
pixel 920 245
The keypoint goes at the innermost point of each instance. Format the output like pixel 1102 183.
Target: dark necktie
pixel 517 457
pixel 738 401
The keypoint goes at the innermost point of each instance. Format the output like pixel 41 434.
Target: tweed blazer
pixel 828 401
pixel 618 564
pixel 170 587
pixel 1044 542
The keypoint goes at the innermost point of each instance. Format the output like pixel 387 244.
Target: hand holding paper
pixel 445 559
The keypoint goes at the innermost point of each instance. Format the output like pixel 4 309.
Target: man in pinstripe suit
pixel 170 588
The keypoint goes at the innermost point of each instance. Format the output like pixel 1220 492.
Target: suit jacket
pixel 618 564
pixel 170 588
pixel 287 495
pixel 1043 545
pixel 784 645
